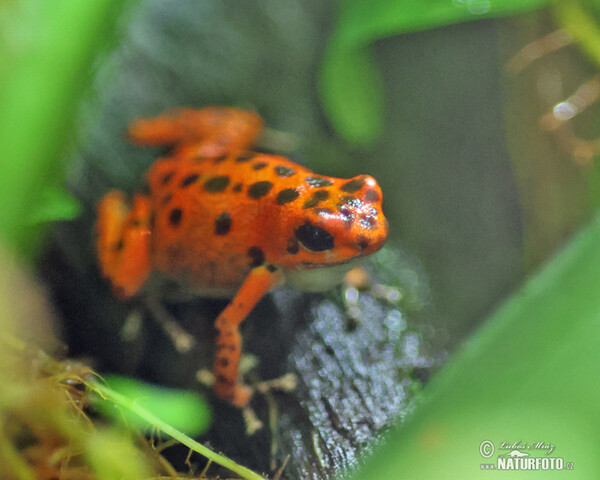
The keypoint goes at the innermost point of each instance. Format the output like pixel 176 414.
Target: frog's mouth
pixel 318 277
pixel 312 265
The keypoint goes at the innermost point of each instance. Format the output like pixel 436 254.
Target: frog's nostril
pixel 362 242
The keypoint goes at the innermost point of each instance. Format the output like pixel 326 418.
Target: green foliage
pixel 124 402
pixel 47 50
pixel 529 374
pixel 106 451
pixel 181 409
pixel 351 87
pixel 54 204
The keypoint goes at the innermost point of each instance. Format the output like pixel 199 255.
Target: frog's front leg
pixel 229 341
pixel 123 242
pixel 210 131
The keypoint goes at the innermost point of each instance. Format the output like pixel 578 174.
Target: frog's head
pixel 342 223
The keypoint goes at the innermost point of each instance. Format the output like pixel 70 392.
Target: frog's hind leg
pixel 123 242
pixel 210 131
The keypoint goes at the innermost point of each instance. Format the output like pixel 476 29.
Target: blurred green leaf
pixel 351 83
pixel 182 410
pixel 362 22
pixel 113 457
pixel 579 18
pixel 530 374
pixel 47 49
pixel 351 87
pixel 54 204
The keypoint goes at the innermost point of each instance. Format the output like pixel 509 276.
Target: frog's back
pixel 210 215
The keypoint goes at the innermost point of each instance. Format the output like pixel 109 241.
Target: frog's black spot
pixel 282 171
pixel 223 379
pixel 237 188
pixel 292 246
pixel 257 256
pixel 224 362
pixel 223 224
pixel 271 268
pixel 350 201
pixel 136 222
pixel 175 217
pixel 316 198
pixel 259 189
pixel 245 158
pixel 318 182
pixel 371 196
pixel 353 185
pixel 259 165
pixel 187 181
pixel 166 178
pixel 119 245
pixel 217 184
pixel 367 222
pixel 287 195
pixel 220 159
pixel 314 238
pixel 166 199
pixel 347 216
pixel 362 242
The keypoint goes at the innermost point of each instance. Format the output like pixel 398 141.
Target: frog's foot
pixel 238 394
pixel 182 341
pixel 285 383
pixel 210 131
pixel 124 241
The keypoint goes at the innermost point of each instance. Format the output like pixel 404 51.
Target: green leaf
pixel 54 204
pixel 47 49
pixel 182 410
pixel 113 457
pixel 362 22
pixel 577 17
pixel 530 374
pixel 351 86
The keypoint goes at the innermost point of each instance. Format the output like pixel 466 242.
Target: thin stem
pixel 141 412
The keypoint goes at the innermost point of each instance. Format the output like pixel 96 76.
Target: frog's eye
pixel 314 238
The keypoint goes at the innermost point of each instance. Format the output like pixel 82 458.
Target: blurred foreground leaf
pixel 47 49
pixel 529 375
pixel 351 89
pixel 54 204
pixel 181 409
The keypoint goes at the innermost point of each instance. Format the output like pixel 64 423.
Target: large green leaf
pixel 47 49
pixel 529 375
pixel 350 85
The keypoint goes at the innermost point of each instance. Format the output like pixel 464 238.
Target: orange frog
pixel 221 219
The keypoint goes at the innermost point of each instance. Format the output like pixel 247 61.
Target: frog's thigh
pixel 124 241
pixel 229 341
